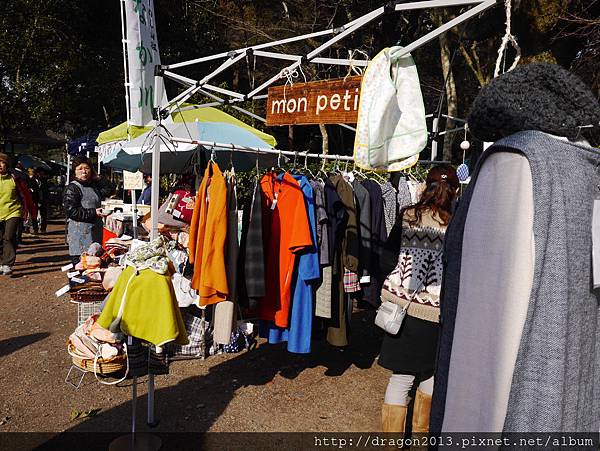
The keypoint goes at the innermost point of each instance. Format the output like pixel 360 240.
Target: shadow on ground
pixel 11 345
pixel 213 392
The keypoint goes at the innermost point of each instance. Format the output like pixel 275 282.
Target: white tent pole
pixel 263 150
pixel 190 91
pixel 445 27
pixel 241 110
pixel 191 82
pixel 357 24
pixel 434 143
pixel 224 91
pixel 349 28
pixel 457 119
pixel 224 147
pixel 220 101
pixel 434 4
pixel 340 62
pixel 153 235
pixel 255 47
pixel 289 57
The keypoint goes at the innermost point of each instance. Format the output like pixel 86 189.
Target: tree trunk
pixel 451 95
pixel 325 138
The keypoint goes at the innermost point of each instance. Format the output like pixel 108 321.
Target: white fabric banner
pixel 104 150
pixel 142 57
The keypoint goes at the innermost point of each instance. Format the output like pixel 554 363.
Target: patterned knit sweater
pixel 418 266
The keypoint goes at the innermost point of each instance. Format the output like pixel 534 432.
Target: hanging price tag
pixel 66 267
pixel 77 280
pixel 70 275
pixel 274 204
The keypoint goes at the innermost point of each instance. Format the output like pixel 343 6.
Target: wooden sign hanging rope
pixel 508 36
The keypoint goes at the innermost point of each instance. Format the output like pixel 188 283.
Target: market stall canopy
pixel 176 156
pixel 187 113
pixel 83 144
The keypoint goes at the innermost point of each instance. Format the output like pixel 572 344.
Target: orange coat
pixel 208 236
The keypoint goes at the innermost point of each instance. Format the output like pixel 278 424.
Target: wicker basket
pixel 103 366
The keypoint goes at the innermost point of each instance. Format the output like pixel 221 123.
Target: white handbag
pixel 390 316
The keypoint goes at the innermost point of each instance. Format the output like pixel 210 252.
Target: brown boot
pixel 393 417
pixel 420 420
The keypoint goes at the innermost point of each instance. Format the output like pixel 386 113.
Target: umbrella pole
pixel 134 216
pixel 153 235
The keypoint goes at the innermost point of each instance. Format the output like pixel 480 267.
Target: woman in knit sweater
pixel 413 263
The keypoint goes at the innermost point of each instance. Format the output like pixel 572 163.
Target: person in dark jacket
pixel 146 196
pixel 82 201
pixel 15 205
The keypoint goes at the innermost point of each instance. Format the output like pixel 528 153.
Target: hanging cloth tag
pixel 596 243
pixel 274 204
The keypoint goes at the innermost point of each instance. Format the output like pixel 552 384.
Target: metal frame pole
pixel 192 90
pixel 127 84
pixel 355 26
pixel 254 47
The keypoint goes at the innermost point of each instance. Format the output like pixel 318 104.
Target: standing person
pixel 146 196
pixel 43 205
pixel 35 188
pixel 15 204
pixel 412 261
pixel 82 200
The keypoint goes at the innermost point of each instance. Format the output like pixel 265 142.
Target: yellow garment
pixel 151 312
pixel 10 206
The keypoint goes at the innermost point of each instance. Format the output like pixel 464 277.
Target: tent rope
pixel 352 67
pixel 508 37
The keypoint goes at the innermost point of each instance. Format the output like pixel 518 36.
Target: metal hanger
pixel 306 168
pixel 336 167
pixel 322 169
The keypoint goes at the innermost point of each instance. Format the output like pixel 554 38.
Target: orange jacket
pixel 208 236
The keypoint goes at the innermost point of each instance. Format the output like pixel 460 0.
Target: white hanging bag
pixel 391 128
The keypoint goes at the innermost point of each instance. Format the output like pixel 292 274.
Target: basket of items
pixel 95 349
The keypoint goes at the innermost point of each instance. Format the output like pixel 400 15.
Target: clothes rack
pixel 215 146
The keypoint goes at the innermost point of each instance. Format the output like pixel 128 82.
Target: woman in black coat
pixel 82 201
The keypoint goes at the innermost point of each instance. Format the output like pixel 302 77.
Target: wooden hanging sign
pixel 320 102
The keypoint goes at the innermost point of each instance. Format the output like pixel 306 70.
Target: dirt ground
pixel 268 389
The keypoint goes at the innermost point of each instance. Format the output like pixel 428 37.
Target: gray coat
pixel 556 382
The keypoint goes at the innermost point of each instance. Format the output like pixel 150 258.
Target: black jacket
pixel 72 203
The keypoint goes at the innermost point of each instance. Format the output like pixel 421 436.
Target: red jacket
pixel 29 207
